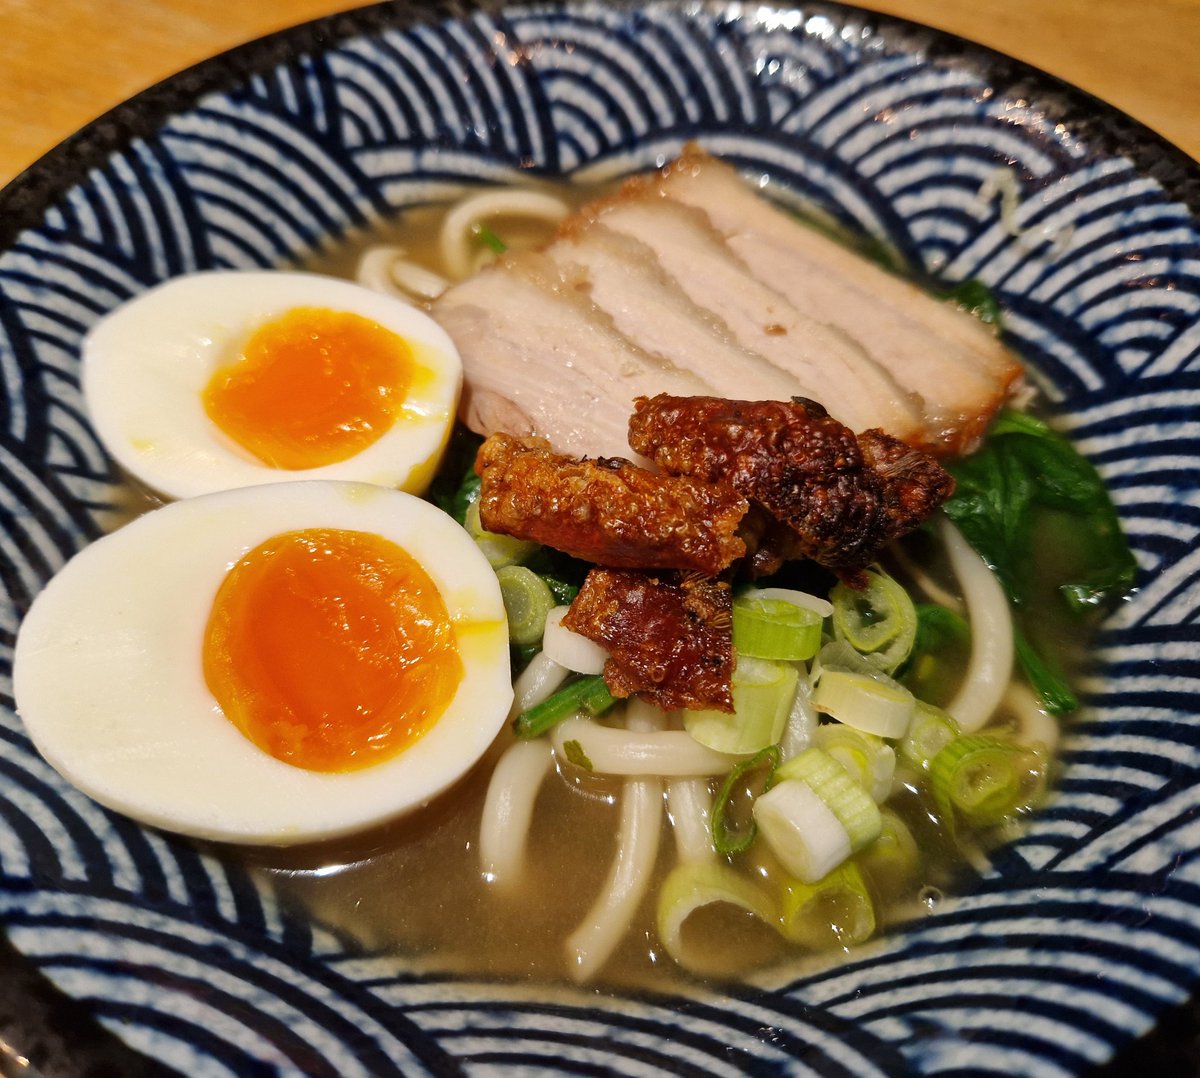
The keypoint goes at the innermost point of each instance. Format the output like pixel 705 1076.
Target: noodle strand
pixel 689 808
pixel 991 662
pixel 457 240
pixel 508 809
pixel 385 269
pixel 606 923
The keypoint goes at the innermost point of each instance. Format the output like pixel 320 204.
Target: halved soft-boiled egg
pixel 227 379
pixel 274 665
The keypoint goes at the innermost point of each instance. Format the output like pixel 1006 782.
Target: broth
pixel 416 888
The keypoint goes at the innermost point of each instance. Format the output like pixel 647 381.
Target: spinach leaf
pixel 976 298
pixel 1022 468
pixel 1045 677
pixel 1024 479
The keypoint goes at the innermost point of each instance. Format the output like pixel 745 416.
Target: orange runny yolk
pixel 312 387
pixel 331 650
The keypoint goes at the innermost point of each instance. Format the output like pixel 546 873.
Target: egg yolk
pixel 312 387
pixel 331 650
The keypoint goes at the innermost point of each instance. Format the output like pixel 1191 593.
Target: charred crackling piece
pixel 842 497
pixel 607 511
pixel 668 634
pixel 769 544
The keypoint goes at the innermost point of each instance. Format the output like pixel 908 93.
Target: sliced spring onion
pixel 879 620
pixel 834 911
pixel 727 838
pixel 815 603
pixel 868 759
pixel 587 694
pixel 540 678
pixel 891 861
pixel 527 601
pixel 775 629
pixel 572 650
pixel 930 730
pixel 692 886
pixel 802 722
pixel 500 550
pixel 864 702
pixel 846 799
pixel 838 655
pixel 802 831
pixel 984 780
pixel 762 698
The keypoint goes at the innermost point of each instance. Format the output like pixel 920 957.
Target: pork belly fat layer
pixel 688 282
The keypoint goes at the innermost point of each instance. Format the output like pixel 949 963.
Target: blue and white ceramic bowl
pixel 1079 935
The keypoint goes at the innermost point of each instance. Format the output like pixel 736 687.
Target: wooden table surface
pixel 63 62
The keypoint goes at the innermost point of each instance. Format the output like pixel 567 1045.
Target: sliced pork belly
pixel 805 352
pixel 623 277
pixel 688 282
pixel 950 358
pixel 540 359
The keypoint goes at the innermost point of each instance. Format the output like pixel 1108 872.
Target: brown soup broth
pixel 416 888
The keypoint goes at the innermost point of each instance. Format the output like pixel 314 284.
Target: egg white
pixel 146 364
pixel 108 672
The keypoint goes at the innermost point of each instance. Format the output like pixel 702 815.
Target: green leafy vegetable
pixel 976 298
pixel 1047 680
pixel 562 573
pixel 456 485
pixel 939 652
pixel 521 655
pixel 939 627
pixel 488 238
pixel 1024 466
pixel 1025 493
pixel 576 755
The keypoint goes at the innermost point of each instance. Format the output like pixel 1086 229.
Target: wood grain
pixel 64 62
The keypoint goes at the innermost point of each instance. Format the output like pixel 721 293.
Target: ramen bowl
pixel 1066 943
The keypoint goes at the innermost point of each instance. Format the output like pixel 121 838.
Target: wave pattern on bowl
pixel 1074 938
